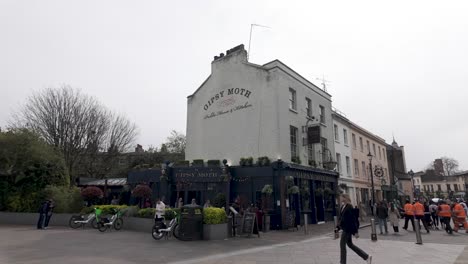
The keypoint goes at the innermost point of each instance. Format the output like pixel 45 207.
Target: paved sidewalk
pixel 325 250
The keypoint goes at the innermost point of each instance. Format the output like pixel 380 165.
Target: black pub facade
pixel 287 192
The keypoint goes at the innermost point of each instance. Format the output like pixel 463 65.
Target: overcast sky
pixel 395 67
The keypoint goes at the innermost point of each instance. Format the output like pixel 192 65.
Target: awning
pixel 110 182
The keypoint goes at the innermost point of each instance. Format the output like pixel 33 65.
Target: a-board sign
pixel 250 224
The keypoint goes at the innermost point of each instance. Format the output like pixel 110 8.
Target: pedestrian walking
pixel 348 224
pixel 49 211
pixel 409 214
pixel 394 217
pixel 419 214
pixel 382 214
pixel 445 216
pixel 434 216
pixel 459 217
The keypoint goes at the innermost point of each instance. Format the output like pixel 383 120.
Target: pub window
pixel 380 153
pixel 309 107
pixel 311 152
pixel 338 162
pixel 455 187
pixel 368 146
pixel 293 139
pixel 324 143
pixel 448 187
pixel 348 166
pixel 322 114
pixel 292 99
pixel 364 171
pixel 361 145
pixel 373 147
pixel 337 135
pixel 356 168
pixel 353 138
pixel 345 136
pixel 439 187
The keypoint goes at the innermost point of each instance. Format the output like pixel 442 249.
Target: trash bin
pixel 191 223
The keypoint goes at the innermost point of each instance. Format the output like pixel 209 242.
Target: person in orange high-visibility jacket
pixel 419 214
pixel 445 215
pixel 459 217
pixel 409 214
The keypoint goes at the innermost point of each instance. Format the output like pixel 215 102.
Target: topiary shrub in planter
pixel 198 163
pixel 213 163
pixel 182 163
pixel 263 161
pixel 214 224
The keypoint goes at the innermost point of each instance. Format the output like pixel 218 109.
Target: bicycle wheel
pixel 175 231
pixel 118 223
pixel 72 222
pixel 102 227
pixel 155 233
pixel 94 223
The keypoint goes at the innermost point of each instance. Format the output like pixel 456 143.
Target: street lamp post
pixel 411 174
pixel 372 179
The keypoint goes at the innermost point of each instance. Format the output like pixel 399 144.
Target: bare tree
pixel 76 124
pixel 447 166
pixel 176 142
pixel 450 166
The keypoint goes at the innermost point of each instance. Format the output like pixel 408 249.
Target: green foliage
pixel 26 159
pixel 27 203
pixel 67 200
pixel 296 160
pixel 263 161
pixel 293 190
pixel 198 163
pixel 214 216
pixel 213 163
pixel 219 200
pixel 106 209
pixel 169 213
pixel 246 161
pixel 146 213
pixel 267 189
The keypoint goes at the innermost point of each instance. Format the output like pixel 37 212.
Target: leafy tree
pixel 76 124
pixel 176 142
pixel 27 165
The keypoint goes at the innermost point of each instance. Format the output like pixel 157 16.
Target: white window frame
pixel 292 99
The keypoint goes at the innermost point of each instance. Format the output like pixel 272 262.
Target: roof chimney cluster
pixel 221 55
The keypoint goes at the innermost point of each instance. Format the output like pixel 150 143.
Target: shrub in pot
pixel 215 223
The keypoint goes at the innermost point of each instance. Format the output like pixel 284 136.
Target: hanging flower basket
pixel 293 190
pixel 267 189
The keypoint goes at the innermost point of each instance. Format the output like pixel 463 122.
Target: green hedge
pixel 214 216
pixel 213 163
pixel 106 209
pixel 169 213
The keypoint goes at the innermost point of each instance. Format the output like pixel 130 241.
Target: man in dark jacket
pixel 42 214
pixel 348 225
pixel 382 214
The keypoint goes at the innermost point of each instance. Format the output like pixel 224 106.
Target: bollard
pixel 373 230
pixel 305 224
pixel 337 234
pixel 417 230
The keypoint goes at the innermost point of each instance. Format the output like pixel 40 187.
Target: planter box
pixel 215 232
pixel 8 218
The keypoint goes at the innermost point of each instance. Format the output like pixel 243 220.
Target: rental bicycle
pixel 105 223
pixel 161 230
pixel 77 221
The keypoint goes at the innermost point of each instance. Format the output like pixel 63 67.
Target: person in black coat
pixel 348 224
pixel 42 214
